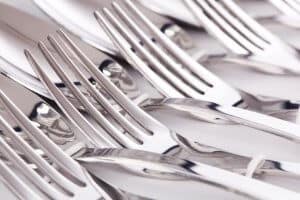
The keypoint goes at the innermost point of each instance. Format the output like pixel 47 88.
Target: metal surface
pixel 192 82
pixel 67 181
pixel 141 132
pixel 290 10
pixel 77 17
pixel 18 31
pixel 161 169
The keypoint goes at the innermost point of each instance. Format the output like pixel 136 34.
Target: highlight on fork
pixel 148 99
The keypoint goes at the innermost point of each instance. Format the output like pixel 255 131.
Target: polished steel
pixel 68 138
pixel 73 141
pixel 66 178
pixel 159 173
pixel 18 31
pixel 170 8
pixel 132 129
pixel 176 75
pixel 290 10
pixel 77 17
pixel 249 42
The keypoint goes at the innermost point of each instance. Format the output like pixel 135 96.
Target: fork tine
pixel 39 161
pixel 195 82
pixel 289 7
pixel 99 97
pixel 178 83
pixel 24 168
pixel 72 113
pixel 17 185
pixel 134 111
pixel 227 28
pixel 53 151
pixel 251 36
pixel 217 85
pixel 180 54
pixel 251 23
pixel 162 85
pixel 229 41
pixel 108 126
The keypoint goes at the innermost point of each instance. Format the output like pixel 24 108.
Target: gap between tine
pixel 144 119
pixel 53 151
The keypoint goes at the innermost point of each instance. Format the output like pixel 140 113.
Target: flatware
pixel 290 10
pixel 176 70
pixel 74 143
pixel 56 129
pixel 257 9
pixel 133 173
pixel 250 43
pixel 66 178
pixel 18 31
pixel 132 129
pixel 77 17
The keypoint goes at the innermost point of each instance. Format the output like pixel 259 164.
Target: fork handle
pixel 135 171
pixel 272 125
pixel 230 114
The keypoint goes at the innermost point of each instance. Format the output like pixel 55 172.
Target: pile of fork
pixel 140 99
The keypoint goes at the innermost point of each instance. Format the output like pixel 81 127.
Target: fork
pixel 133 129
pixel 248 42
pixel 66 137
pixel 83 25
pixel 290 10
pixel 177 76
pixel 66 179
pixel 175 168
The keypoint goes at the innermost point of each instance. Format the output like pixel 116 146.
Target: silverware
pixel 132 129
pixel 134 174
pixel 66 178
pixel 290 10
pixel 77 17
pixel 68 138
pixel 18 31
pixel 177 71
pixel 250 43
pixel 257 9
pixel 74 143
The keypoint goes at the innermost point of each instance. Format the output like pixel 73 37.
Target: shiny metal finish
pixel 290 10
pixel 67 179
pixel 135 129
pixel 50 122
pixel 160 173
pixel 77 17
pixel 224 147
pixel 177 75
pixel 249 42
pixel 170 8
pixel 18 32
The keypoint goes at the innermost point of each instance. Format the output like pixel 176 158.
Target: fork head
pixel 58 177
pixel 249 42
pixel 132 128
pixel 167 67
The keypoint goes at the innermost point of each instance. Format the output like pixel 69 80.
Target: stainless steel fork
pixel 133 129
pixel 173 72
pixel 249 42
pixel 61 178
pixel 290 10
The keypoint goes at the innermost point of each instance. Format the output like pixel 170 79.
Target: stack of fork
pixel 111 100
